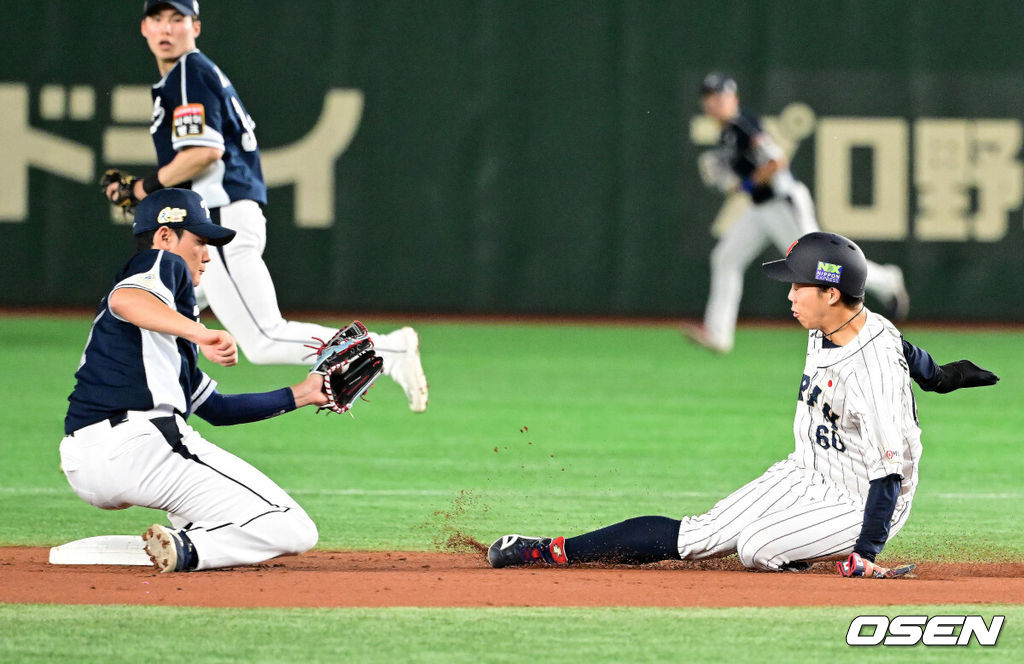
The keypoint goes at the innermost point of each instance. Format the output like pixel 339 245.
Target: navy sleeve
pixel 226 409
pixel 877 516
pixel 198 121
pixel 748 123
pixel 922 367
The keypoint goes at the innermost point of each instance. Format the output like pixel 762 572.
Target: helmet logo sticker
pixel 829 272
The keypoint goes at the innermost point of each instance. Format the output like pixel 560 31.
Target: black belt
pixel 120 417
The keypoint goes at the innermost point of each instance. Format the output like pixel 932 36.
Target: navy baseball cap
pixel 183 7
pixel 179 208
pixel 824 259
pixel 715 82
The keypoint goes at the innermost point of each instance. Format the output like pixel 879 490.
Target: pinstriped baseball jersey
pixel 856 419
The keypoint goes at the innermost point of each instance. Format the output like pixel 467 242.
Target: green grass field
pixel 545 428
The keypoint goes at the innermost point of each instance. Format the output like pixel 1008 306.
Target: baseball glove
pixel 124 196
pixel 715 172
pixel 855 565
pixel 349 366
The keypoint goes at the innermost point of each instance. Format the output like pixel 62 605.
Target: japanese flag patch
pixel 189 120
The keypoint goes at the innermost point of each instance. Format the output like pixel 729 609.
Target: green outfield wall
pixel 529 156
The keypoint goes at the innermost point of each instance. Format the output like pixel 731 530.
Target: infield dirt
pixel 376 579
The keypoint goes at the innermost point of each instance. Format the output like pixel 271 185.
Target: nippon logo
pixel 829 272
pixel 934 631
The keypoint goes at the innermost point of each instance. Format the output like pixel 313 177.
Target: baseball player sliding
pixel 748 160
pixel 127 438
pixel 205 141
pixel 849 483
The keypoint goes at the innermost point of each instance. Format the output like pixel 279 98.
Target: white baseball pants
pixel 239 289
pixel 788 514
pixel 233 513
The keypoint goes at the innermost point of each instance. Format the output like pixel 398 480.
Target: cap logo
pixel 829 272
pixel 173 215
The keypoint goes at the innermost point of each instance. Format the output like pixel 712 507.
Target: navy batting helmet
pixel 824 259
pixel 715 82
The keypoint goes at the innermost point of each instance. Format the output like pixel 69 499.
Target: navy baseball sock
pixel 191 557
pixel 644 539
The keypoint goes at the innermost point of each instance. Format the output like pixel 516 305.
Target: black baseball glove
pixel 124 196
pixel 962 373
pixel 349 366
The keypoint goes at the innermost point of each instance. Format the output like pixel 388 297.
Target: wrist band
pixel 151 183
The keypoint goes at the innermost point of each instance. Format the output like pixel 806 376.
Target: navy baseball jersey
pixel 744 154
pixel 124 367
pixel 196 105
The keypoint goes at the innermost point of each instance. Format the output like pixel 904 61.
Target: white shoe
pixel 698 334
pixel 899 304
pixel 407 370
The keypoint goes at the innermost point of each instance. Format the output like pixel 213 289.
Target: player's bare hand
pixel 855 565
pixel 111 192
pixel 218 346
pixel 310 391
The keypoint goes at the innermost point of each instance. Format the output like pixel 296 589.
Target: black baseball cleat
pixel 518 550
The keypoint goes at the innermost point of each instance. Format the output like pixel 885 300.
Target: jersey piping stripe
pixel 184 91
pixel 199 142
pixel 278 510
pixel 203 393
pixel 168 427
pixel 843 359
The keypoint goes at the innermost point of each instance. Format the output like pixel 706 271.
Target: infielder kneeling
pixel 848 485
pixel 127 440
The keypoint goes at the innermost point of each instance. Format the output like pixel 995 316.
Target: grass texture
pixel 537 428
pixel 84 634
pixel 553 429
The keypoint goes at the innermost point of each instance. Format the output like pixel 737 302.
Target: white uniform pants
pixel 779 222
pixel 788 514
pixel 235 515
pixel 239 289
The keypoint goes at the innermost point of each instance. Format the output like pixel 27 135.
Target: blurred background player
pixel 781 210
pixel 204 140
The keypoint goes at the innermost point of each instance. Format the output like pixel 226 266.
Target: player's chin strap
pixel 850 320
